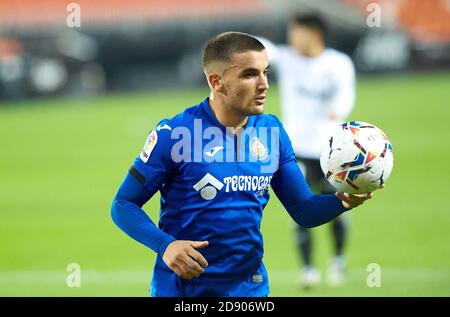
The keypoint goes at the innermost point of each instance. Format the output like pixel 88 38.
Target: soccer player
pixel 317 93
pixel 213 164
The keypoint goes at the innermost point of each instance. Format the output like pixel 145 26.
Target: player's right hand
pixel 182 257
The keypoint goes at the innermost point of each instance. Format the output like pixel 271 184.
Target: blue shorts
pixel 166 283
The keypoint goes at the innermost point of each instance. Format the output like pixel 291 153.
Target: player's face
pixel 245 82
pixel 301 37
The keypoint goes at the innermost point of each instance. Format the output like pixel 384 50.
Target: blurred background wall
pixel 46 48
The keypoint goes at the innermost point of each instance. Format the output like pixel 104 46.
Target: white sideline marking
pixel 88 276
pixel 139 276
pixel 422 275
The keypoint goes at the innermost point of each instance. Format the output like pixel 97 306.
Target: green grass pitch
pixel 61 162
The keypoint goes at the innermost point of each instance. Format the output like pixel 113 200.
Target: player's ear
pixel 215 82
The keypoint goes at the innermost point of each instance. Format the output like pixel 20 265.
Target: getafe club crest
pixel 150 143
pixel 258 149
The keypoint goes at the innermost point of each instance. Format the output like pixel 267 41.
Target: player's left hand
pixel 353 200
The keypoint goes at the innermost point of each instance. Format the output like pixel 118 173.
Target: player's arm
pixel 343 98
pixel 307 209
pixel 290 186
pixel 146 176
pixel 128 215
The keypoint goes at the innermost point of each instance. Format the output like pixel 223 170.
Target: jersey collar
pixel 212 118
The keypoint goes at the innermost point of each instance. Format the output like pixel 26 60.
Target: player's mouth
pixel 260 100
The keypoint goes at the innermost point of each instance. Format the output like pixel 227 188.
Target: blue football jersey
pixel 215 189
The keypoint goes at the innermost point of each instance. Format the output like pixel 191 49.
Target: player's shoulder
pixel 268 120
pixel 182 119
pixel 160 137
pixel 336 57
pixel 273 125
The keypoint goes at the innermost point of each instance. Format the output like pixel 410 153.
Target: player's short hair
pixel 311 21
pixel 222 47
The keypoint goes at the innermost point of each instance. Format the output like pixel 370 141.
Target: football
pixel 357 157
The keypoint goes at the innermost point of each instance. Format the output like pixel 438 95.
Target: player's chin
pixel 257 106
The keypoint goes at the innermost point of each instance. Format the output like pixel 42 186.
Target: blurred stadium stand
pixel 415 35
pixel 138 44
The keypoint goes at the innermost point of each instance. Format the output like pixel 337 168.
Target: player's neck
pixel 224 116
pixel 315 50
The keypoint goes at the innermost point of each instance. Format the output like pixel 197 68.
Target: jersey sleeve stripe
pixel 141 178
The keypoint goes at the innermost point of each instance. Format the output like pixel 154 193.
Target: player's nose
pixel 263 83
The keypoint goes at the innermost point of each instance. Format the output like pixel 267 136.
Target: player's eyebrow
pixel 251 70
